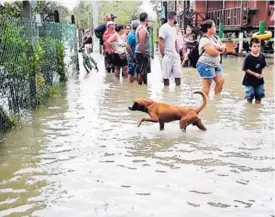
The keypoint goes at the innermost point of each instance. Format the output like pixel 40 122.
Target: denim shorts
pixel 132 67
pixel 257 92
pixel 207 71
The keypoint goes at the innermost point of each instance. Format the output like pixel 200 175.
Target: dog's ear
pixel 146 102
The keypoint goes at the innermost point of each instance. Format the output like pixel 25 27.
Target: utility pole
pixel 95 13
pixel 95 22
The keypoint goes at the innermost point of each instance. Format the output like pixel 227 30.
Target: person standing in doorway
pixel 143 49
pixel 170 63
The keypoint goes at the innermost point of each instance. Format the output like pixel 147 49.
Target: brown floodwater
pixel 82 154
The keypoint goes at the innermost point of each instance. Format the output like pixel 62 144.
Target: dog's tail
pixel 198 110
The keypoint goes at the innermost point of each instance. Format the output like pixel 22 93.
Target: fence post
pixel 75 43
pixel 32 82
pixel 27 14
pixel 220 30
pixel 240 42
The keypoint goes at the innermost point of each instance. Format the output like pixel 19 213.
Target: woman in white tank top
pixel 118 44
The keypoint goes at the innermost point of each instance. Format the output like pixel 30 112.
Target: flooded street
pixel 83 154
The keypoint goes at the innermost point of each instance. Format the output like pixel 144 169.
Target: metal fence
pixel 33 59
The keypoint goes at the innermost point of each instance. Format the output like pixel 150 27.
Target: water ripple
pixel 83 154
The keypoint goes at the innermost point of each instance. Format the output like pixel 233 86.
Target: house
pixel 235 15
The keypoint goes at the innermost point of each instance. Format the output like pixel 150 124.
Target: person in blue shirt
pixel 130 47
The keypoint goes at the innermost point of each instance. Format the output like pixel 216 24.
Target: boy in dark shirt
pixel 253 80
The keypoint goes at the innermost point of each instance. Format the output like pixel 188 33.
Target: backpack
pixel 194 54
pixel 99 31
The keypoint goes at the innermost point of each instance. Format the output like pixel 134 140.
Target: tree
pixel 124 10
pixel 83 14
pixel 46 10
pixel 11 9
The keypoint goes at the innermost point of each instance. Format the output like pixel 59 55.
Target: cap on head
pixel 110 23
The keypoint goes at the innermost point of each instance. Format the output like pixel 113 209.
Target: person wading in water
pixel 143 49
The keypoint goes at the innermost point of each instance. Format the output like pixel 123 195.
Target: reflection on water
pixel 83 155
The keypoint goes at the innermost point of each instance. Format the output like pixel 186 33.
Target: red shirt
pixel 107 34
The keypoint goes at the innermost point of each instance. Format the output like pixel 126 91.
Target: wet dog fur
pixel 164 113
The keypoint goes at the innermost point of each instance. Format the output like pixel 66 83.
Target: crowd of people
pixel 127 52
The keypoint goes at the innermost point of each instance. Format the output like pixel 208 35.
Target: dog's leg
pixel 200 125
pixel 154 120
pixel 161 125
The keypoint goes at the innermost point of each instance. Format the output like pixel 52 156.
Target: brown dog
pixel 164 113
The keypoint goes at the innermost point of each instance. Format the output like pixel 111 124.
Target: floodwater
pixel 83 155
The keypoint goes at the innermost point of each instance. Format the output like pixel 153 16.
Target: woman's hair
pixel 119 27
pixel 207 24
pixel 129 25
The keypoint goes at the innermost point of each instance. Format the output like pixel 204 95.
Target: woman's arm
pixel 206 45
pixel 109 42
pixel 211 50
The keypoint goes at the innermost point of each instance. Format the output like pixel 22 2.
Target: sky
pixel 70 4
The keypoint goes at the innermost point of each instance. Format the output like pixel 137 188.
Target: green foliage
pixel 35 59
pixel 124 10
pixel 13 47
pixel 83 14
pixel 44 7
pixel 22 60
pixel 30 58
pixel 13 120
pixel 11 9
pixel 47 8
pixel 60 61
pixel 6 121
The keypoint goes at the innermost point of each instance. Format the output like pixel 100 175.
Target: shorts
pixel 207 71
pixel 143 65
pixel 257 92
pixel 171 66
pixel 108 60
pixel 118 62
pixel 131 65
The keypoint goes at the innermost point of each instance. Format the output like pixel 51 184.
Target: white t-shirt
pixel 169 34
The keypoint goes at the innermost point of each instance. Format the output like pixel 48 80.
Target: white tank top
pixel 120 45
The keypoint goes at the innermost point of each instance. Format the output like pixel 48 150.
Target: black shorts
pixel 118 62
pixel 143 64
pixel 108 60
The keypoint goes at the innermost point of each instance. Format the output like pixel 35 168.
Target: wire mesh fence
pixel 33 59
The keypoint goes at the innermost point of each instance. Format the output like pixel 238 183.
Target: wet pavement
pixel 82 154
